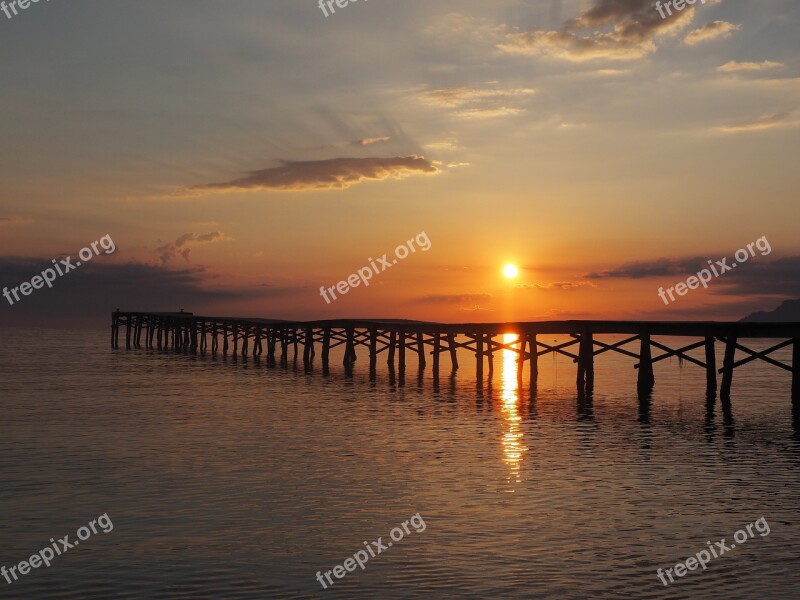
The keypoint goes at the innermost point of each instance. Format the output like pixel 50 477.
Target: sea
pixel 212 477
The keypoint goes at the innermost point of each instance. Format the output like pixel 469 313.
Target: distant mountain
pixel 788 312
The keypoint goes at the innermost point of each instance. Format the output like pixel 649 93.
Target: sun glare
pixel 510 271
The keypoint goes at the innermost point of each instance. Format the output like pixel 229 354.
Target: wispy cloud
pixel 13 221
pixel 608 29
pixel 461 96
pixel 789 118
pixel 183 245
pixel 478 103
pixel 372 140
pixel 331 174
pixel 453 298
pixel 556 285
pixel 735 67
pixel 710 31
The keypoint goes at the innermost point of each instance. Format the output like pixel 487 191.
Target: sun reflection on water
pixel 513 448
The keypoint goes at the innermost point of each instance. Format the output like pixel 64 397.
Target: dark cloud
pixel 653 268
pixel 755 277
pixel 611 29
pixel 331 174
pixel 95 289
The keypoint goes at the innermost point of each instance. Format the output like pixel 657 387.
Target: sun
pixel 510 271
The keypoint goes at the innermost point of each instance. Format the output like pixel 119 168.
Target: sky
pixel 242 155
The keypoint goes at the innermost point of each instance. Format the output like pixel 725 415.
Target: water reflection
pixel 513 448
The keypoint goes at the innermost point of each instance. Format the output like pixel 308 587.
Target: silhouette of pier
pixel 396 339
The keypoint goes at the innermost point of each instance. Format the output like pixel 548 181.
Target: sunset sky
pixel 243 154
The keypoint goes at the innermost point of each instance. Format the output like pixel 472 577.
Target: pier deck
pixel 186 332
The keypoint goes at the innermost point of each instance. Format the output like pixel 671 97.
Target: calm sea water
pixel 231 479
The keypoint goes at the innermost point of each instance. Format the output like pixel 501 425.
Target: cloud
pixel 488 113
pixel 710 31
pixel 779 278
pixel 478 103
pixel 756 277
pixel 461 96
pixel 608 29
pixel 555 285
pixel 734 67
pixel 182 246
pixel 772 121
pixel 13 221
pixel 331 174
pixel 97 288
pixel 652 268
pixel 372 140
pixel 453 298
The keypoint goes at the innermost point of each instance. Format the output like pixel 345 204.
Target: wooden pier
pixel 185 332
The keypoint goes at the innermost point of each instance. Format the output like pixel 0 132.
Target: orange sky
pixel 243 157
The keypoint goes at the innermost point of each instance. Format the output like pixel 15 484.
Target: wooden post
pixel 490 352
pixel 245 339
pixel 534 366
pixel 421 350
pixel 392 344
pixel 589 362
pixel 114 328
pixel 711 367
pixel 401 358
pixel 224 338
pixel 727 367
pixel 451 343
pixel 326 347
pixel 796 372
pixel 479 355
pixel 349 350
pixel 436 350
pixel 586 362
pixel 646 378
pixel 523 341
pixel 295 343
pixel 128 332
pixel 308 346
pixel 373 348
